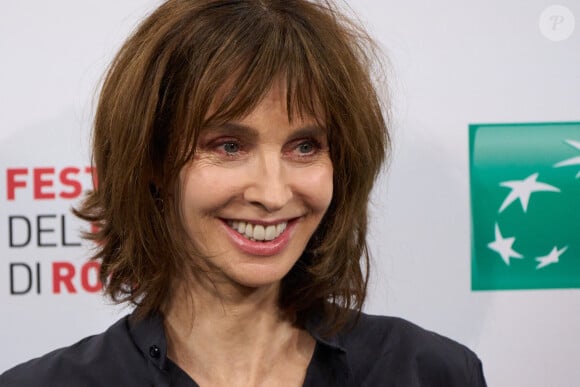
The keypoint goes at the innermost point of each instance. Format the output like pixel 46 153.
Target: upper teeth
pixel 257 231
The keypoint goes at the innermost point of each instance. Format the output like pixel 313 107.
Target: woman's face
pixel 256 191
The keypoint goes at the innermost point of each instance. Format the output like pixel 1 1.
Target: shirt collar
pixel 313 327
pixel 148 333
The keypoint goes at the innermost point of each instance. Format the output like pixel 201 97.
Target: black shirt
pixel 378 351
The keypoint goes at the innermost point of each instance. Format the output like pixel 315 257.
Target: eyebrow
pixel 233 129
pixel 309 131
pixel 237 129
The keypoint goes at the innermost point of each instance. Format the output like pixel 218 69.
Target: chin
pixel 259 277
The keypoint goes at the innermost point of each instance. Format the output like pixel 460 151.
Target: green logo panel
pixel 525 203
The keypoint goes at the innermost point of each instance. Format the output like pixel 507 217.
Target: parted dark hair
pixel 156 98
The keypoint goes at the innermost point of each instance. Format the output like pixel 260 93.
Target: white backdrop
pixel 451 63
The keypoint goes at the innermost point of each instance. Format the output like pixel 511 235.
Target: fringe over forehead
pixel 225 55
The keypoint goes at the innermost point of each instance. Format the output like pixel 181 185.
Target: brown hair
pixel 155 99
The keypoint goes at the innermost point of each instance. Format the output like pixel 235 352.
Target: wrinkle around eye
pixel 207 158
pixel 217 149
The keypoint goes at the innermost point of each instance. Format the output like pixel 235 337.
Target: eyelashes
pixel 308 147
pixel 230 147
pixel 234 149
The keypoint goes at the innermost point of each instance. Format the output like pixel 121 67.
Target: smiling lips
pixel 259 239
pixel 258 232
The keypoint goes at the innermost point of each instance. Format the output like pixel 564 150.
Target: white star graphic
pixel 570 161
pixel 551 258
pixel 522 189
pixel 503 246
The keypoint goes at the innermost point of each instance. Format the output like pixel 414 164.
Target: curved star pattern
pixel 573 160
pixel 503 246
pixel 553 257
pixel 523 189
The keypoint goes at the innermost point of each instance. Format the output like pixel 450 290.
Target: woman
pixel 236 144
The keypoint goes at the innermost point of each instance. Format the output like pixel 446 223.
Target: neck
pixel 232 333
pixel 201 301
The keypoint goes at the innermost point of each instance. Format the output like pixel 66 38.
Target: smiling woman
pixel 269 175
pixel 236 144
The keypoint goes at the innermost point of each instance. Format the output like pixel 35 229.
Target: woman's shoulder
pixel 389 332
pixel 81 364
pixel 380 347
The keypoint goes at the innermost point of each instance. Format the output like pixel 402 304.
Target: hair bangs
pixel 269 52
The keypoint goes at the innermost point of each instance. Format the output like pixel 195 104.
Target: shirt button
pixel 154 351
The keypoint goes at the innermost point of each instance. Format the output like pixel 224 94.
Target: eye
pixel 230 147
pixel 307 147
pixel 223 147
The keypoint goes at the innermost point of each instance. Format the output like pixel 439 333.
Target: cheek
pixel 317 185
pixel 204 191
pixel 207 188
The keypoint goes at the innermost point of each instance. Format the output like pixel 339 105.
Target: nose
pixel 268 187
